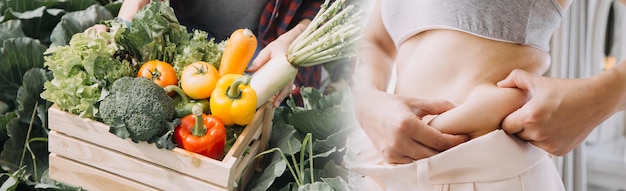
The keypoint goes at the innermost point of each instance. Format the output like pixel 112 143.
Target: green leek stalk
pixel 330 36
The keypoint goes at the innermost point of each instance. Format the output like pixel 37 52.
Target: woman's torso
pixel 449 64
pixel 444 64
pixel 219 17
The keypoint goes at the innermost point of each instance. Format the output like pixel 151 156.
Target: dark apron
pixel 219 17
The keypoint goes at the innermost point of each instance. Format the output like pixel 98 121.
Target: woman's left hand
pixel 561 112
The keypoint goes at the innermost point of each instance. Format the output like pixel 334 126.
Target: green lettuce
pixel 199 48
pixel 83 71
pixel 155 34
pixel 26 27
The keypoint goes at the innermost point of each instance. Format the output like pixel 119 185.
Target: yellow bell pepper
pixel 233 100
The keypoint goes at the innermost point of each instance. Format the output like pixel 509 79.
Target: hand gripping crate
pixel 83 153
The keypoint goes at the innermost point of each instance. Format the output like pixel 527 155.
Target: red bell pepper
pixel 202 134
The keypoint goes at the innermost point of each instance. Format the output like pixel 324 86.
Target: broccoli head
pixel 137 108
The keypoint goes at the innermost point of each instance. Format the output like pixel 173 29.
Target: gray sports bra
pixel 526 22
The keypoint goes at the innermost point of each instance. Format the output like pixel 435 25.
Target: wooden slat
pixel 259 128
pixel 250 133
pixel 265 136
pixel 87 177
pixel 248 166
pixel 124 165
pixel 183 161
pixel 221 173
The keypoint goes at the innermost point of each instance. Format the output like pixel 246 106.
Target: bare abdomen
pixel 443 64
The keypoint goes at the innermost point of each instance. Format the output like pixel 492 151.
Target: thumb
pixel 423 107
pixel 260 60
pixel 514 122
pixel 516 79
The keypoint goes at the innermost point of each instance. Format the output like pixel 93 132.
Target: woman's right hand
pixel 394 124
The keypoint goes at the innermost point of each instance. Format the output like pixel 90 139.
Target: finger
pixel 278 98
pixel 433 138
pixel 406 150
pixel 273 101
pixel 419 151
pixel 400 159
pixel 282 95
pixel 260 60
pixel 514 122
pixel 421 107
pixel 277 102
pixel 516 79
pixel 100 28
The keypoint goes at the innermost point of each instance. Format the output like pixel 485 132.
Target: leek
pixel 331 35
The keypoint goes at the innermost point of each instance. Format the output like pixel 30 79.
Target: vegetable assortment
pixel 144 80
pixel 158 82
pixel 82 75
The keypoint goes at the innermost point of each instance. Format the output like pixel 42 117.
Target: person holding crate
pixel 276 22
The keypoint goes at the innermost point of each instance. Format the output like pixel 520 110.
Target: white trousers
pixel 492 162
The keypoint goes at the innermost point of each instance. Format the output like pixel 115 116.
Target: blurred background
pixel 589 42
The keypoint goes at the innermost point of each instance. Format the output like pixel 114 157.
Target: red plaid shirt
pixel 281 15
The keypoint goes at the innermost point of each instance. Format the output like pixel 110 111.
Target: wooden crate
pixel 85 154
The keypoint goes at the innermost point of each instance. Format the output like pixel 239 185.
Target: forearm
pixel 373 71
pixel 130 8
pixel 615 82
pixel 376 55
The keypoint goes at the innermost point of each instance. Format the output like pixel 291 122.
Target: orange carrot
pixel 238 52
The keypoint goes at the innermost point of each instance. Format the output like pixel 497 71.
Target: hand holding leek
pixel 329 37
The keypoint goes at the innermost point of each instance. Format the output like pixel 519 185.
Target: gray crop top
pixel 526 22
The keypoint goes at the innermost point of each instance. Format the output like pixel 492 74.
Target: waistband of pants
pixel 493 156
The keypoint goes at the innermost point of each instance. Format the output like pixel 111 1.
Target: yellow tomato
pixel 198 80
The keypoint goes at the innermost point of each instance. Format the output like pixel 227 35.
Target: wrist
pixel 614 80
pixel 620 80
pixel 124 22
pixel 364 91
pixel 367 78
pixel 364 96
pixel 130 8
pixel 294 32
